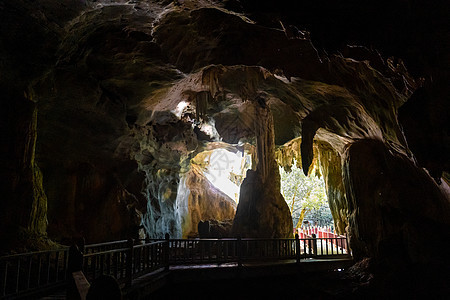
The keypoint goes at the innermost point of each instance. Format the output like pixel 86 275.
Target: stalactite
pixel 210 78
pixel 288 153
pixel 262 211
pixel 330 166
pixel 201 104
pixel 264 139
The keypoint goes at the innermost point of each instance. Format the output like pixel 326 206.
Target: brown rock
pixel 205 203
pixel 262 211
pixel 397 214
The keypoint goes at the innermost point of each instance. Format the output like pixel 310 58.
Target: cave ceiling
pixel 132 65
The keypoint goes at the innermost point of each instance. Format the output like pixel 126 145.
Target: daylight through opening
pixel 306 198
pixel 226 170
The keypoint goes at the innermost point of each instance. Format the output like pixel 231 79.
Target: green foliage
pixel 305 193
pixel 322 216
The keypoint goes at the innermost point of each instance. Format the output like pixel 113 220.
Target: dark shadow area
pixel 320 285
pixel 329 285
pixel 401 28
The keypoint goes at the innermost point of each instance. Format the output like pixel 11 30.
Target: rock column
pixel 262 211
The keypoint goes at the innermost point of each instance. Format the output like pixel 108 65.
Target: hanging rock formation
pixel 331 168
pixel 111 101
pixel 262 211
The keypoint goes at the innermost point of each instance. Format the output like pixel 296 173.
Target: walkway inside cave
pixel 319 285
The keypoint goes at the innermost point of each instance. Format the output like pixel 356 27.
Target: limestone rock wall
pixel 205 202
pixel 94 148
pixel 25 200
pixel 29 40
pixel 160 149
pixel 262 210
pixel 397 213
pixel 331 169
pixel 128 92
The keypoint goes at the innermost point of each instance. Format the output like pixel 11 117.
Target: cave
pixel 118 117
pixel 306 197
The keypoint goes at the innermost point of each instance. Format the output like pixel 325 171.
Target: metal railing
pixel 126 264
pixel 149 257
pixel 101 247
pixel 111 262
pixel 25 274
pixel 201 251
pixel 30 273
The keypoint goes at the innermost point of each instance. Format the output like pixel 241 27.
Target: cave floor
pixel 312 262
pixel 311 279
pixel 201 278
pixel 316 285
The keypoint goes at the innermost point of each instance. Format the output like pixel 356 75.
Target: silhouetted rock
pixel 106 104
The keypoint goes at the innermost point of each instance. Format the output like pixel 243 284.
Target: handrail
pixel 33 253
pixel 106 244
pixel 146 244
pixel 131 261
pixel 25 273
pixel 105 252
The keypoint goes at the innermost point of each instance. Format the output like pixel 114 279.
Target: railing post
pixel 314 243
pixel 297 248
pixel 129 263
pixel 347 244
pixel 166 252
pixel 75 259
pixel 4 279
pixel 75 262
pixel 239 251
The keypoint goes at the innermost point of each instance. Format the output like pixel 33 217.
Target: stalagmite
pixel 262 211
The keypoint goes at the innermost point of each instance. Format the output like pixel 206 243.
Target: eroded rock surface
pixel 205 203
pixel 262 211
pixel 112 100
pixel 397 212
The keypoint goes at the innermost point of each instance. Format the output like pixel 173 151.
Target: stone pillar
pixel 24 204
pixel 397 214
pixel 262 211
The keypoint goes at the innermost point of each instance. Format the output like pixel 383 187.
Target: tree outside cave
pixel 306 197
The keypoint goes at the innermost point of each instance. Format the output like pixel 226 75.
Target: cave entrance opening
pixel 226 170
pixel 306 198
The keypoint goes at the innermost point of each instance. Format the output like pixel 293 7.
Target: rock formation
pixel 107 103
pixel 262 211
pixel 205 203
pixel 397 214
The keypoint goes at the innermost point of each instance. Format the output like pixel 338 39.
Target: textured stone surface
pixel 205 203
pixel 120 96
pixel 427 128
pixel 331 168
pixel 215 229
pixel 262 211
pixel 398 214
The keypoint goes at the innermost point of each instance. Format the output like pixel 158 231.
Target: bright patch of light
pixel 282 78
pixel 209 128
pixel 180 108
pixel 223 169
